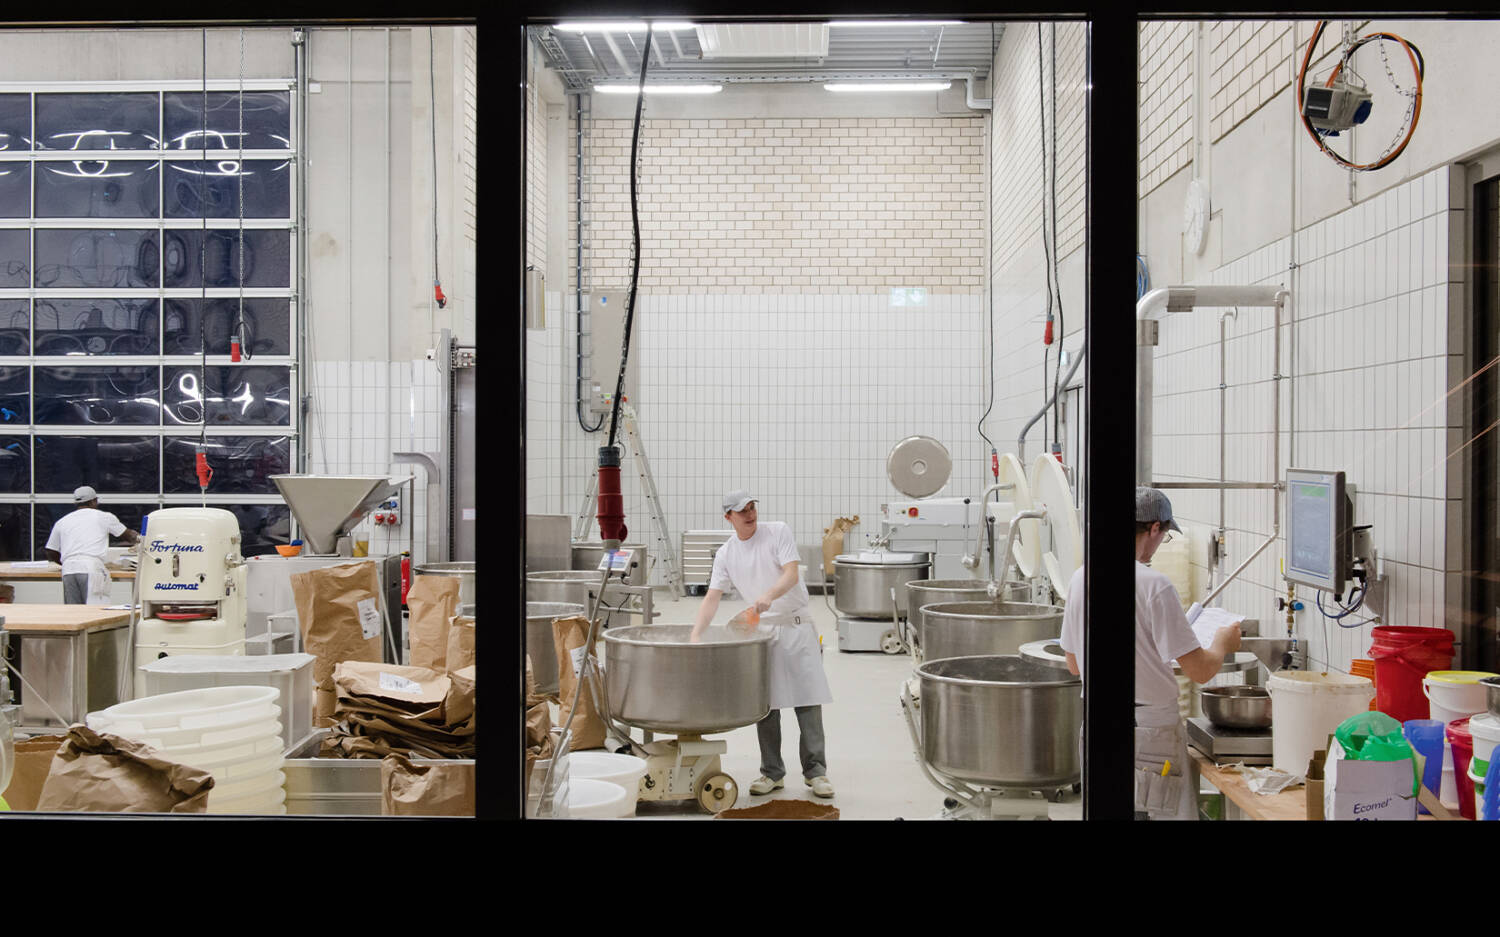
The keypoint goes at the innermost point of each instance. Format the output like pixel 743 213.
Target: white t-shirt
pixel 751 567
pixel 83 534
pixel 1162 634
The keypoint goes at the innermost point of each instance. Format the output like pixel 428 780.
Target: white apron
pixel 1171 795
pixel 796 659
pixel 98 591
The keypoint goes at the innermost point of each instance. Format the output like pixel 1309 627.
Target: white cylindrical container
pixel 588 798
pixel 1308 707
pixel 1454 694
pixel 624 770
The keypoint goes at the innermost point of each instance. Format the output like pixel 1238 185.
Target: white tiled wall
pixel 1165 115
pixel 797 398
pixel 1368 365
pixel 363 411
pixel 536 167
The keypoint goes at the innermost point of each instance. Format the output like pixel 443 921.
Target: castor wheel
pixel 890 642
pixel 717 792
pixel 1077 786
pixel 1057 795
pixel 950 803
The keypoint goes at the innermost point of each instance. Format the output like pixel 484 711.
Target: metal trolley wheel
pixel 891 643
pixel 717 792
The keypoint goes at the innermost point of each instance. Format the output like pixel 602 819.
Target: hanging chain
pixel 1411 101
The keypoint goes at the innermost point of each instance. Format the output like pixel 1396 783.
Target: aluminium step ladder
pixel 653 499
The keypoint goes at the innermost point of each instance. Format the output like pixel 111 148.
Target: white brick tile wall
pixel 1164 125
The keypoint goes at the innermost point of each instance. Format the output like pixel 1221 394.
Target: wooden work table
pixel 27 619
pixel 52 572
pixel 1290 804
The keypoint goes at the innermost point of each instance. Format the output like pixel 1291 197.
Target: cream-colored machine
pixel 191 578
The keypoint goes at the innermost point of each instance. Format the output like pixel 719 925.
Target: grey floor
pixel 871 760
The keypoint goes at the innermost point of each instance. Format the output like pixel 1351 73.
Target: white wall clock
pixel 1195 210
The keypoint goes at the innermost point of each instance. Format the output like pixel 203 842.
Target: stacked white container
pixel 234 733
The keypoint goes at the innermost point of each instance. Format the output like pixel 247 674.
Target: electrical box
pixel 605 326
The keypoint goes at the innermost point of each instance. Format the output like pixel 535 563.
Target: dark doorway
pixel 1482 507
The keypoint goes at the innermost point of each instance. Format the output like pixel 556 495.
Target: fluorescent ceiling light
pixel 888 85
pixel 896 23
pixel 658 88
pixel 630 27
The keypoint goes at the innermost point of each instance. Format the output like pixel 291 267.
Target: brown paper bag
pixel 458 706
pixel 569 637
pixel 833 542
pixel 408 790
pixel 432 602
pixel 33 760
pixel 334 609
pixel 460 643
pixel 106 773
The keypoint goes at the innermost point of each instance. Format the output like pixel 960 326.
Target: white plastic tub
pixel 1454 694
pixel 290 674
pixel 624 770
pixel 1308 706
pixel 588 798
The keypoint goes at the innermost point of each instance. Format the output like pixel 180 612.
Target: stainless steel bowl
pixel 1492 695
pixel 564 585
pixel 540 646
pixel 1001 721
pixel 462 570
pixel 970 629
pixel 923 592
pixel 862 582
pixel 655 678
pixel 1237 707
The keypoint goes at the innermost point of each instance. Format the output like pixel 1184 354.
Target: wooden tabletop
pixel 1290 804
pixel 52 571
pixel 65 618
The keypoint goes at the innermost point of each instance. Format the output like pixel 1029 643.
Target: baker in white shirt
pixel 80 542
pixel 760 562
pixel 1164 788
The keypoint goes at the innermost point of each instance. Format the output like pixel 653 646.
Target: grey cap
pixel 84 495
pixel 736 500
pixel 1152 505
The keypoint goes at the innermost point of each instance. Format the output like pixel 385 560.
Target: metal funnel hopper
pixel 327 506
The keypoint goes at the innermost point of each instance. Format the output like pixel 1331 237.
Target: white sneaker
pixel 764 785
pixel 821 786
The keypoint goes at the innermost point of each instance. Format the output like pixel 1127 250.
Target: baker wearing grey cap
pixel 80 542
pixel 1165 788
pixel 760 562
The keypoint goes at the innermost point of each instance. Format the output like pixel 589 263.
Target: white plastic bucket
pixel 624 770
pixel 1454 694
pixel 1486 731
pixel 588 798
pixel 1308 706
pixel 1448 793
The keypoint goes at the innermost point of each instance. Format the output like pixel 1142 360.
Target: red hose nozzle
pixel 437 292
pixel 611 504
pixel 205 474
pixel 1047 335
pixel 234 349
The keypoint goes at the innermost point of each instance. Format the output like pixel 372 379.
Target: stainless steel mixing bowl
pixel 1237 707
pixel 656 679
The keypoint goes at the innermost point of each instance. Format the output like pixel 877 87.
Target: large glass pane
pixel 125 121
pixel 268 326
pixel 15 395
pixel 97 259
pixel 99 396
pixel 15 190
pixel 267 258
pixel 15 532
pixel 49 514
pixel 267 120
pixel 236 394
pixel 262 526
pixel 241 464
pixel 15 122
pixel 94 327
pixel 15 258
pixel 111 464
pixel 98 189
pixel 197 189
pixel 15 317
pixel 15 464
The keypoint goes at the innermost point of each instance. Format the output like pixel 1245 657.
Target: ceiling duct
pixel 764 41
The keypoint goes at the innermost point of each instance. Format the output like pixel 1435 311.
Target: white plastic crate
pixel 292 674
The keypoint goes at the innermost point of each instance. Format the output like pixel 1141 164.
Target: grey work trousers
pixel 75 589
pixel 810 744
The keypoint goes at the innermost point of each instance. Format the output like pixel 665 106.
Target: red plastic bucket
pixel 1462 743
pixel 1403 656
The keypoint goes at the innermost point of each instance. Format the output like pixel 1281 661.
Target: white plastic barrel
pixel 624 770
pixel 1307 707
pixel 588 798
pixel 1454 694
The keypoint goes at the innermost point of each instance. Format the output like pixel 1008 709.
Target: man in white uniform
pixel 80 542
pixel 1164 789
pixel 760 562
